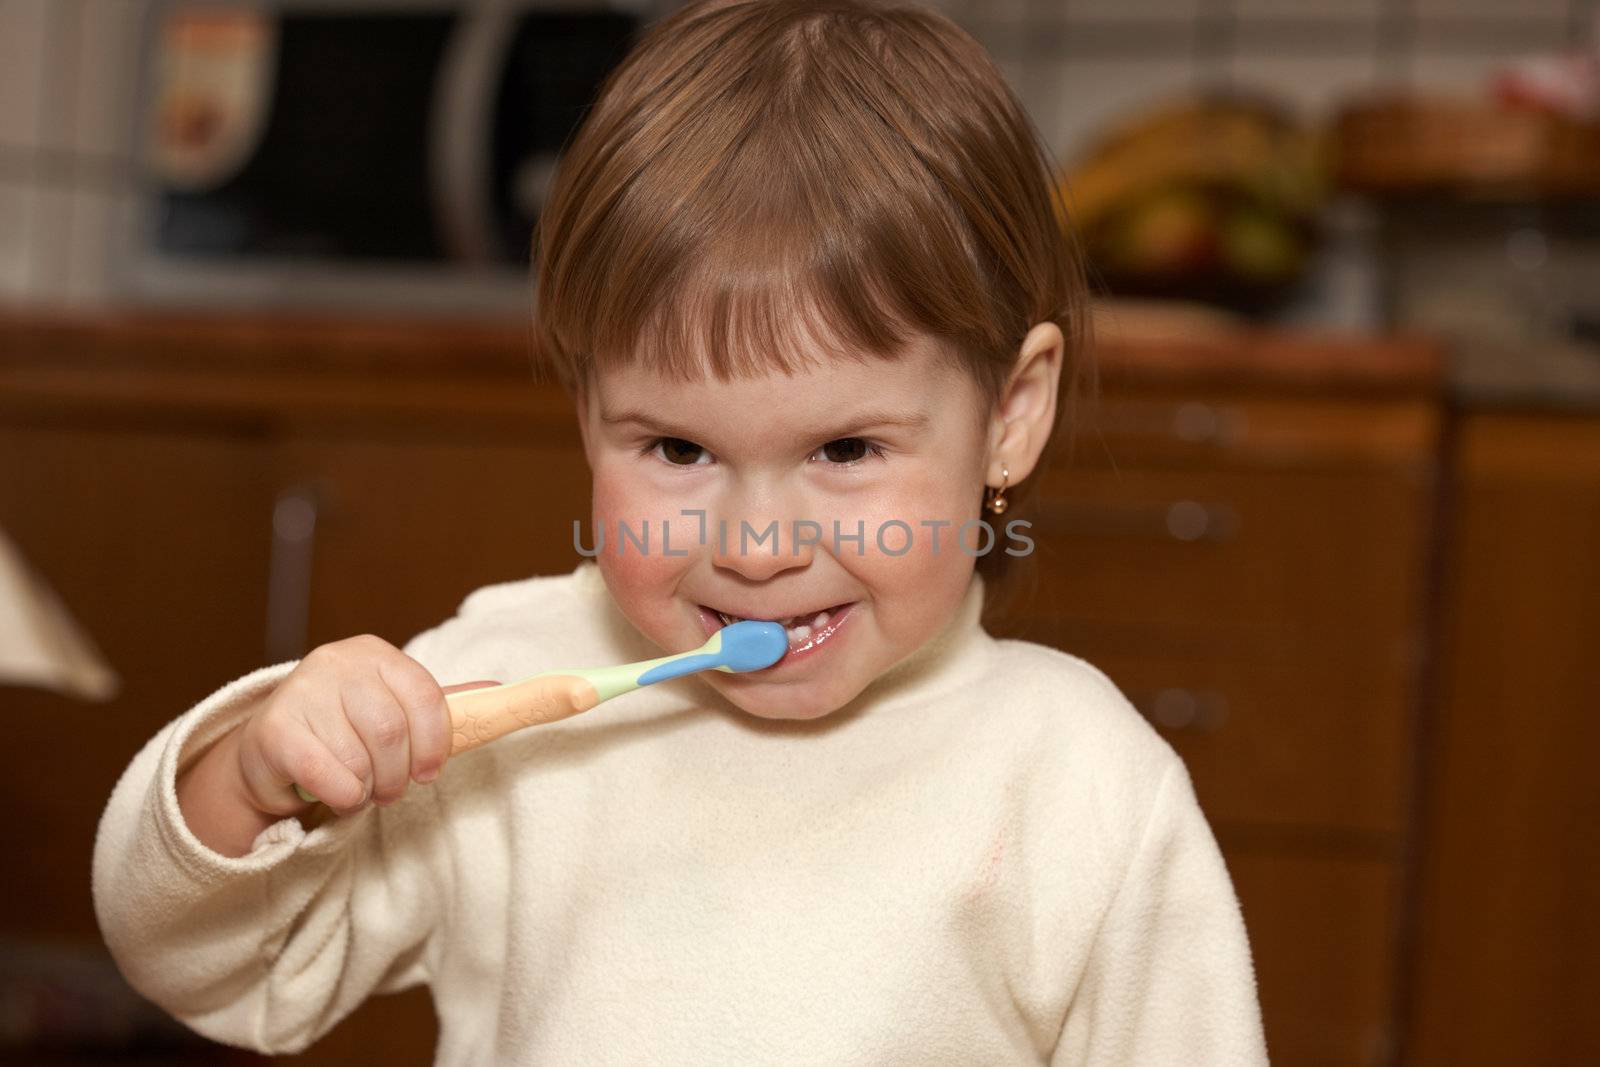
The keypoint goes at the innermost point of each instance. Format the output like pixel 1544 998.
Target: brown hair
pixel 756 176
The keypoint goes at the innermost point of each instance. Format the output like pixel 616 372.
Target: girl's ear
pixel 1026 413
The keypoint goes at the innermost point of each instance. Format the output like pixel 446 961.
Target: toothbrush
pixel 478 716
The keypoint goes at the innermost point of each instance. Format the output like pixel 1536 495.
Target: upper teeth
pixel 816 623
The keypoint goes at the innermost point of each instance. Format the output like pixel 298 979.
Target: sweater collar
pixel 957 653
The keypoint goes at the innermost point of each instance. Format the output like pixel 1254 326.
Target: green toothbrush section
pixel 611 682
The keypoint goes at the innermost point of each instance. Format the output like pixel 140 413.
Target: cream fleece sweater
pixel 988 857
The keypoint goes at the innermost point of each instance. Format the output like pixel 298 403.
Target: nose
pixel 760 541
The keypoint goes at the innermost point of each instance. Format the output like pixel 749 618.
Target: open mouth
pixel 803 630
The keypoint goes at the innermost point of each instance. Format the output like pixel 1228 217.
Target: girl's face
pixel 849 448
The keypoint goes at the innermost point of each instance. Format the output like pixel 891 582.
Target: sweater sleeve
pixel 269 950
pixel 1169 978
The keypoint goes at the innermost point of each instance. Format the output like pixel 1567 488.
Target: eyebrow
pixel 864 420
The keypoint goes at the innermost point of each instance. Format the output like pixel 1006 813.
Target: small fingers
pixel 385 731
pixel 419 696
pixel 291 750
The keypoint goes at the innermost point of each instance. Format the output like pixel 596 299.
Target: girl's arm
pixel 271 948
pixel 1169 978
pixel 212 800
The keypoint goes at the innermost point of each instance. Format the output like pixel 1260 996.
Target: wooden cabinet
pixel 1509 901
pixel 155 537
pixel 1259 591
pixel 403 527
pixel 1322 921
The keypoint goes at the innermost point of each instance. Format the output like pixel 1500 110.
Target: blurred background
pixel 1333 523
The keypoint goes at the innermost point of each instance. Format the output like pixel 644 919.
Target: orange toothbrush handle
pixel 478 716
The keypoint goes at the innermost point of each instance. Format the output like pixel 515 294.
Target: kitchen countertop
pixel 1552 375
pixel 143 361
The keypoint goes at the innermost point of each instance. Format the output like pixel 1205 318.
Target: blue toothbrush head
pixel 744 646
pixel 752 644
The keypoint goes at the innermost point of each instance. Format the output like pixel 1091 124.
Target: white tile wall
pixel 50 216
pixel 67 71
pixel 1495 9
pixel 90 221
pixel 1119 10
pixel 1463 74
pixel 1306 9
pixel 14 245
pixel 1084 97
pixel 67 80
pixel 1356 36
pixel 108 34
pixel 22 35
pixel 1017 75
pixel 57 89
pixel 1504 36
pixel 996 11
pixel 1312 85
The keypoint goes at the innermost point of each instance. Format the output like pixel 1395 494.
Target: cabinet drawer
pixel 1334 554
pixel 1321 927
pixel 399 530
pixel 1225 428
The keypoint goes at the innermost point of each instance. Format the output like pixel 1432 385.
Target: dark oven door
pixel 301 151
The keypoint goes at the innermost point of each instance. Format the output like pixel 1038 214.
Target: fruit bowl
pixel 1213 199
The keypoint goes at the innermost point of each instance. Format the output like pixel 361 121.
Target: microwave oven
pixel 356 155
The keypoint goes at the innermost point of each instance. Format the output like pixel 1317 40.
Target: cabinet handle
pixel 294 530
pixel 1192 422
pixel 1178 520
pixel 1176 708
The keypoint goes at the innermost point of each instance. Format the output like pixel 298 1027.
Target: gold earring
pixel 997 502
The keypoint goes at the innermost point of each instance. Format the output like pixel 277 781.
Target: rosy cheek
pixel 608 503
pixel 639 580
pixel 919 561
pixel 901 535
pixel 637 577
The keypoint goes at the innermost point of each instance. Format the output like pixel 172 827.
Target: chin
pixel 791 706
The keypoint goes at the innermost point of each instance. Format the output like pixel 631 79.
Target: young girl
pixel 803 275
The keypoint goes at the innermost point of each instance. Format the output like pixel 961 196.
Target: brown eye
pixel 679 452
pixel 845 450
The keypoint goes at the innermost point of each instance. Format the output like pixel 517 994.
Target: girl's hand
pixel 356 720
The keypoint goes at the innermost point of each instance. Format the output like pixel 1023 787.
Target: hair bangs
pixel 733 314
